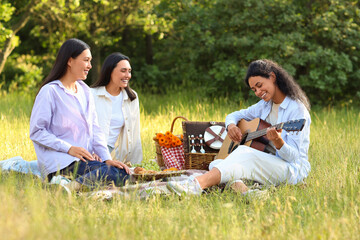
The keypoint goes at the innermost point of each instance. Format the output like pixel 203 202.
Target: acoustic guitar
pixel 254 134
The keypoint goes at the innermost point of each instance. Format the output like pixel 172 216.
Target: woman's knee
pixel 214 163
pixel 230 172
pixel 117 175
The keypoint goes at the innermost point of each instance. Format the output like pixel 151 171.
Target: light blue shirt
pixel 58 121
pixel 295 149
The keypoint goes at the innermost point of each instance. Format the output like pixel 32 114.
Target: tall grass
pixel 326 207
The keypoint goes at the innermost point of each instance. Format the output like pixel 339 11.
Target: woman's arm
pixel 295 144
pixel 98 141
pixel 136 155
pixel 40 121
pixel 233 118
pixel 250 113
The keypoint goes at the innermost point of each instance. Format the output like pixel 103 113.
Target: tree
pixel 13 18
pixel 213 42
pixel 100 23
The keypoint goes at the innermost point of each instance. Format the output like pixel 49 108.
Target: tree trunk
pixel 9 43
pixel 96 64
pixel 149 49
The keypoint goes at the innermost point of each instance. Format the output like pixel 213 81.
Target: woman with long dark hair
pixel 64 126
pixel 117 106
pixel 286 157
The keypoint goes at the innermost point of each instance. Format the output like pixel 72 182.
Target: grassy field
pixel 326 207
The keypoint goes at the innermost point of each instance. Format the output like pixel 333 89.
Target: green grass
pixel 327 207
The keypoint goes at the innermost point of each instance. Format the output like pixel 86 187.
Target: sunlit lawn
pixel 326 207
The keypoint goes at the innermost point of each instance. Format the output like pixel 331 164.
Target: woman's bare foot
pixel 239 186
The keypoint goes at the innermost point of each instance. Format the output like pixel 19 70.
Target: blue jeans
pixel 94 173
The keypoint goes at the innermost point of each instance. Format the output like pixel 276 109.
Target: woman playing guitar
pixel 286 157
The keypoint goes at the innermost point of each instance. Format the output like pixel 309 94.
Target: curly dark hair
pixel 284 80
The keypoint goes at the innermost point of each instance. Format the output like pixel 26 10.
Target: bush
pixel 315 41
pixel 22 73
pixel 150 78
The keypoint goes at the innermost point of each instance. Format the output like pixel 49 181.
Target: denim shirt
pixel 296 146
pixel 58 122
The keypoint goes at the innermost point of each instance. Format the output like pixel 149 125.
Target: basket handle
pixel 173 122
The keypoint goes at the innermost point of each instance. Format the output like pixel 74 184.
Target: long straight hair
pixel 69 49
pixel 284 80
pixel 107 68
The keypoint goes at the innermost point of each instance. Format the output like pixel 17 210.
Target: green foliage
pixel 6 11
pixel 202 44
pixel 25 69
pixel 149 76
pixel 214 41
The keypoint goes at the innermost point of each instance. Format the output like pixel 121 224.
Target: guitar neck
pixel 262 132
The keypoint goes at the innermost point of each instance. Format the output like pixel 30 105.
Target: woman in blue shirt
pixel 282 100
pixel 64 126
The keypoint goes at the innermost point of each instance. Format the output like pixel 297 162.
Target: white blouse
pixel 128 144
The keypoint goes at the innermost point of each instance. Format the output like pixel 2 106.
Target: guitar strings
pixel 260 133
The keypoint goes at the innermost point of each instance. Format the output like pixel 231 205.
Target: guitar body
pixel 246 127
pixel 253 126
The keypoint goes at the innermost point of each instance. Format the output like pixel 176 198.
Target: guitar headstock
pixel 294 125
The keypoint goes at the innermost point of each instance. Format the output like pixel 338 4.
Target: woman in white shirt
pixel 117 107
pixel 282 100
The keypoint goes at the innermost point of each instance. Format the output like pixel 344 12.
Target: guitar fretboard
pixel 262 132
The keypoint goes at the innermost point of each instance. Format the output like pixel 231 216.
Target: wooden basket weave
pixel 159 157
pixel 199 160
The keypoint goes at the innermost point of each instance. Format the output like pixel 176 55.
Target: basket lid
pixel 214 136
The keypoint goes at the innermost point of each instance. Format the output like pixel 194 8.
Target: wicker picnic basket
pixel 198 160
pixel 159 157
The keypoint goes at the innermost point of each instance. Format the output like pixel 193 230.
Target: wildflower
pixel 159 135
pixel 162 141
pixel 178 142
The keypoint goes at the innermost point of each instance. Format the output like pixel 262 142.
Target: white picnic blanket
pixel 18 164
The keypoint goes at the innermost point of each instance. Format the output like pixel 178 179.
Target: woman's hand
pixel 234 132
pixel 275 136
pixel 80 153
pixel 96 157
pixel 118 165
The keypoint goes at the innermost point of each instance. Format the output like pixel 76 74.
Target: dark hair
pixel 69 49
pixel 107 68
pixel 284 81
